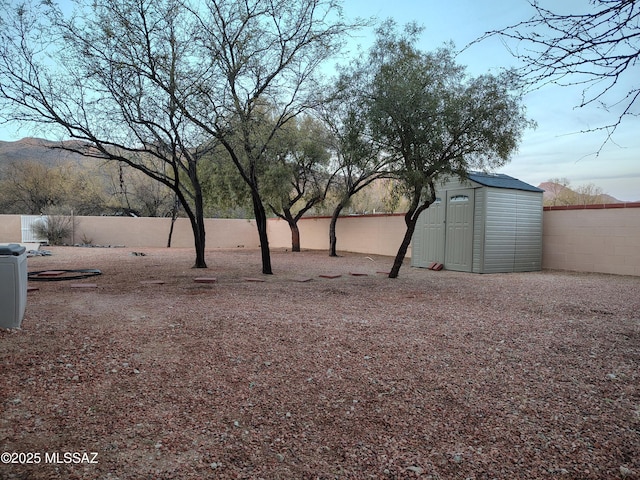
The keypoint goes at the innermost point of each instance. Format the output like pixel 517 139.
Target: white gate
pixel 28 235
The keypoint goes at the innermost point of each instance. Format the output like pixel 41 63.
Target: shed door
pixel 459 224
pixel 432 235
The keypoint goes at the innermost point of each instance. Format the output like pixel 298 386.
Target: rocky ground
pixel 434 375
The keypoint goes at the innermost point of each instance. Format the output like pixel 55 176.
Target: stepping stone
pixel 358 274
pixel 330 275
pixel 383 273
pixel 52 273
pixel 84 285
pixel 252 279
pixel 303 279
pixel 152 282
pixel 205 280
pixel 32 289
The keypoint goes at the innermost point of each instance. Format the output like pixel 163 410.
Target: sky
pixel 555 148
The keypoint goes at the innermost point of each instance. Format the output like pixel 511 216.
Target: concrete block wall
pixel 373 234
pixel 592 238
pixel 10 229
pixel 146 232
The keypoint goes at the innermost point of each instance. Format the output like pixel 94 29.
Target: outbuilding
pixel 489 223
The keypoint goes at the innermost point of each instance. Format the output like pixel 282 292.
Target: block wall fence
pixel 592 238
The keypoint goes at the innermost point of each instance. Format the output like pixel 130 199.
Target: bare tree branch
pixel 598 50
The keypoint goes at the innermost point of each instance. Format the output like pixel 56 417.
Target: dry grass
pixel 437 375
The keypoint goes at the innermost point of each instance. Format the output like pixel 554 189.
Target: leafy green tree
pixel 297 178
pixel 226 194
pixel 434 120
pixel 359 161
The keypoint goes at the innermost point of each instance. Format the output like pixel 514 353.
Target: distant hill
pixel 557 194
pixel 40 150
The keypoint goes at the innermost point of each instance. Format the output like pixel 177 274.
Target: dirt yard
pixel 434 375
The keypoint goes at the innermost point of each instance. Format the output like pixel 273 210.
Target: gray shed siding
pixel 529 233
pixel 513 235
pixel 479 229
pixel 507 229
pixel 500 235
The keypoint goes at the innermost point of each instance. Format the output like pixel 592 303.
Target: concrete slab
pixel 358 274
pixel 51 273
pixel 330 275
pixel 83 285
pixel 253 279
pixel 152 282
pixel 303 279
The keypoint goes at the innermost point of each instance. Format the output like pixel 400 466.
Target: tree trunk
pixel 197 225
pixel 261 223
pixel 173 222
pixel 332 229
pixel 295 237
pixel 295 231
pixel 198 221
pixel 410 219
pixel 404 246
pixel 200 245
pixel 174 215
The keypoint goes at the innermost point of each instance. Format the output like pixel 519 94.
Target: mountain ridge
pixel 558 194
pixel 42 151
pixel 39 150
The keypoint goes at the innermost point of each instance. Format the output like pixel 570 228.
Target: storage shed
pixel 489 223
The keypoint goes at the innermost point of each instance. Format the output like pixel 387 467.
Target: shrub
pixel 55 228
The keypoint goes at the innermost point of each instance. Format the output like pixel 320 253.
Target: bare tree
pixel 598 50
pixel 134 193
pixel 589 194
pixel 113 76
pixel 261 61
pixel 559 193
pixel 157 85
pixel 554 190
pixel 31 187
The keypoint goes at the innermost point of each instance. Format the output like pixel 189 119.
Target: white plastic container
pixel 13 285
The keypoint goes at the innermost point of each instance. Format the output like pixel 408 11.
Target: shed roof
pixel 500 180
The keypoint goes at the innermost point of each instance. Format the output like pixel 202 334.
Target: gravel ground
pixel 434 375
